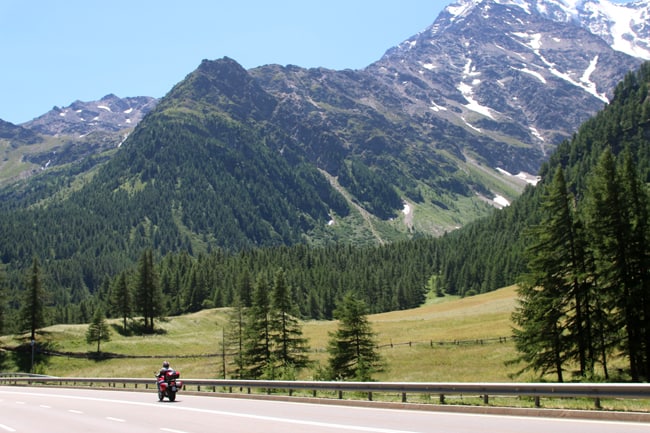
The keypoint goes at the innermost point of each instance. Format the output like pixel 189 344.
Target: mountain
pixel 109 114
pixel 517 72
pixel 83 133
pixel 435 134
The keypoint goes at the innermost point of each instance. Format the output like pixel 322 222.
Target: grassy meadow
pixel 417 344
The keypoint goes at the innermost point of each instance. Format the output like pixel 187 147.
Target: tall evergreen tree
pixel 33 308
pixel 258 342
pixel 148 293
pixel 557 267
pixel 289 346
pixel 611 239
pixel 638 202
pixel 352 352
pixel 236 338
pixel 122 299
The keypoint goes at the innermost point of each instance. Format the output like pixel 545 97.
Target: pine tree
pixel 352 353
pixel 148 294
pixel 638 199
pixel 122 299
pixel 546 291
pixel 98 330
pixel 33 309
pixel 610 236
pixel 258 343
pixel 235 338
pixel 289 347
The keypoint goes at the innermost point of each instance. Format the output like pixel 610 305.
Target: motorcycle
pixel 169 385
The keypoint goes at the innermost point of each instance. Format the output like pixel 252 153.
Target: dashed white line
pixel 6 428
pixel 44 406
pixel 171 430
pixel 74 411
pixel 110 418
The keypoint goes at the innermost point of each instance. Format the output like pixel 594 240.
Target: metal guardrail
pixel 595 391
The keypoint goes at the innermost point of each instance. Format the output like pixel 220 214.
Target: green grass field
pixel 447 340
pixel 422 342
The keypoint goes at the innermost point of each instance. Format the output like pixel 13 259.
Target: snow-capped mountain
pixel 624 26
pixel 519 71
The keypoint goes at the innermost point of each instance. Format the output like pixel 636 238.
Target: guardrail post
pixel 340 395
pixel 403 397
pixel 442 399
pixel 370 396
pixel 597 403
pixel 537 403
pixel 486 399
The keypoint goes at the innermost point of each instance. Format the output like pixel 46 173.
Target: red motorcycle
pixel 169 385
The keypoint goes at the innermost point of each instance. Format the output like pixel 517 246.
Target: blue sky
pixel 56 52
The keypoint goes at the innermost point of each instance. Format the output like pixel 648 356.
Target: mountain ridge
pixel 236 159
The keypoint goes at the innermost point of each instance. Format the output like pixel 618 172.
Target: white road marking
pixel 44 406
pixel 551 421
pixel 74 411
pixel 170 430
pixel 110 418
pixel 6 428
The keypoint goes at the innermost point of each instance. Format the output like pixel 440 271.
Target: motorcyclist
pixel 165 368
pixel 161 373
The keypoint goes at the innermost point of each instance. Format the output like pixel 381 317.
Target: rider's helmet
pixel 165 364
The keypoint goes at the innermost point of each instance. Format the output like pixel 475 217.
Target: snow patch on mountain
pixel 622 25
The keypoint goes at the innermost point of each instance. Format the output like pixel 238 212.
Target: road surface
pixel 60 410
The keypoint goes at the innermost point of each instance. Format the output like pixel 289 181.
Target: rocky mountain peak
pixel 109 114
pixel 514 70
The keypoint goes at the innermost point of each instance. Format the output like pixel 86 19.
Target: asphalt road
pixel 54 410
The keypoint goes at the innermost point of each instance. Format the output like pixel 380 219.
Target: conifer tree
pixel 98 330
pixel 148 294
pixel 258 343
pixel 33 308
pixel 122 299
pixel 557 267
pixel 236 338
pixel 289 347
pixel 352 352
pixel 638 202
pixel 608 227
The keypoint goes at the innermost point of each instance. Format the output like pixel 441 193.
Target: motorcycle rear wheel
pixel 160 396
pixel 171 395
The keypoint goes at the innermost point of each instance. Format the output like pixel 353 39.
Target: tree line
pixel 264 338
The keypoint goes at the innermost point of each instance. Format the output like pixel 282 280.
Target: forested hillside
pixel 491 249
pixel 480 257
